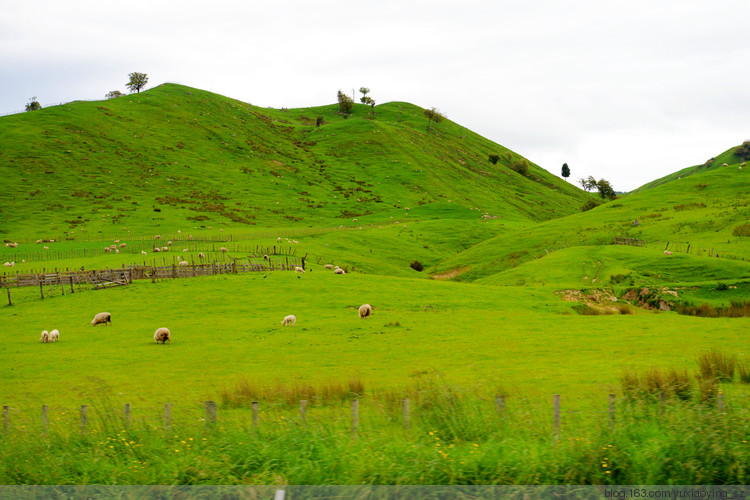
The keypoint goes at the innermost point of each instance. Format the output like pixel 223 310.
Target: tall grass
pixel 455 438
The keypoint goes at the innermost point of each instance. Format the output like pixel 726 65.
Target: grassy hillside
pixel 175 157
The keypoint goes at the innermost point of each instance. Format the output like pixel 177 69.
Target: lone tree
pixel 364 91
pixel 565 171
pixel 370 102
pixel 113 93
pixel 137 81
pixel 346 103
pixel 433 115
pixel 319 121
pixel 33 105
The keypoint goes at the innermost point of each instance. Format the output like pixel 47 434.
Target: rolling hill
pixel 175 156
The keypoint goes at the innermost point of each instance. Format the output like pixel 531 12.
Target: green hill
pixel 176 157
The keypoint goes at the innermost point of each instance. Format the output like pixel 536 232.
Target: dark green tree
pixel 433 115
pixel 606 191
pixel 565 171
pixel 346 103
pixel 33 105
pixel 494 159
pixel 137 81
pixel 743 152
pixel 319 121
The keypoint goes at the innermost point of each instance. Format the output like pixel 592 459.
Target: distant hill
pixel 175 156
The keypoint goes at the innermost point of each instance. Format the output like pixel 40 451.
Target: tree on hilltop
pixel 587 184
pixel 137 81
pixel 606 190
pixel 113 93
pixel 346 104
pixel 433 115
pixel 364 98
pixel 33 105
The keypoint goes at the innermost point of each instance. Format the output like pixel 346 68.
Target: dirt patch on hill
pixel 450 274
pixel 596 296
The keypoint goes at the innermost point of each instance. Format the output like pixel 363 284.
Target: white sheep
pixel 339 271
pixel 169 243
pixel 101 318
pixel 163 335
pixel 223 249
pixel 265 257
pixel 328 266
pixel 165 249
pixel 667 252
pixel 143 252
pixel 157 237
pixel 289 320
pixel 45 248
pixel 184 263
pixel 201 256
pixel 278 239
pixel 54 335
pixel 123 245
pixel 157 249
pixel 45 337
pixel 107 249
pixel 365 310
pixel 298 269
pixel 724 165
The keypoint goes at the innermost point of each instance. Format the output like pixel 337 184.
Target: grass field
pixel 376 195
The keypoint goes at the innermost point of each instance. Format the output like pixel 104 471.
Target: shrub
pixel 520 165
pixel 741 230
pixel 722 287
pixel 417 266
pixel 743 151
pixel 589 205
pixel 494 158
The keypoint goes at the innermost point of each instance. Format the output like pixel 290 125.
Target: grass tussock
pixel 717 365
pixel 654 382
pixel 245 392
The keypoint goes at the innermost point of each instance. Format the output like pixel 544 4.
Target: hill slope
pixel 175 156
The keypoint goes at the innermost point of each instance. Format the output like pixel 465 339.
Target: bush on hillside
pixel 743 152
pixel 741 230
pixel 417 266
pixel 591 203
pixel 520 165
pixel 494 158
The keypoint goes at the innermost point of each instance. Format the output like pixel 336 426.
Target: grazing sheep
pixel 123 245
pixel 190 236
pixel 101 318
pixel 45 337
pixel 365 310
pixel 107 249
pixel 143 252
pixel 278 239
pixel 38 241
pixel 298 269
pixel 184 263
pixel 223 249
pixel 169 243
pixel 45 248
pixel 54 335
pixel 724 165
pixel 328 266
pixel 163 335
pixel 289 320
pixel 157 237
pixel 742 164
pixel 184 250
pixel 157 249
pixel 339 271
pixel 165 249
pixel 667 252
pixel 265 257
pixel 201 256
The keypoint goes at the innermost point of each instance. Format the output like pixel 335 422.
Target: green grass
pixel 372 194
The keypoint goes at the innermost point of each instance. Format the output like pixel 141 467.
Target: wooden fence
pixel 108 278
pixel 635 242
pixel 211 414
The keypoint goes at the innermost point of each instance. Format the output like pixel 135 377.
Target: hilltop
pixel 176 156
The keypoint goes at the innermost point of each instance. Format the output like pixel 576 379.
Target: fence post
pixel 72 290
pixel 355 417
pixel 127 415
pixel 44 420
pixel 84 418
pixel 405 404
pixel 611 410
pixel 9 302
pixel 302 408
pixel 211 414
pixel 41 288
pixel 167 415
pixel 500 405
pixel 255 416
pixel 556 401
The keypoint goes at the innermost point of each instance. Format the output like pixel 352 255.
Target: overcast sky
pixel 625 90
